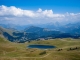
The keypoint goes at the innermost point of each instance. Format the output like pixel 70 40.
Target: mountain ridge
pixel 34 32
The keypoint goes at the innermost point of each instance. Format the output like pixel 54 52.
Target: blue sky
pixel 39 11
pixel 59 6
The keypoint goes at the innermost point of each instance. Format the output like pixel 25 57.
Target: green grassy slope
pixel 9 31
pixel 19 51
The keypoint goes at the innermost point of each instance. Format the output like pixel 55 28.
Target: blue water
pixel 41 46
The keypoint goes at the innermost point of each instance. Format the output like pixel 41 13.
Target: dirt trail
pixel 27 57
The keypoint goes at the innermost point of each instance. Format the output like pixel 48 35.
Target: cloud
pixel 40 10
pixel 13 11
pixel 16 15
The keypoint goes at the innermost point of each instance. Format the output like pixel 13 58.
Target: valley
pixel 48 31
pixel 14 43
pixel 39 29
pixel 20 51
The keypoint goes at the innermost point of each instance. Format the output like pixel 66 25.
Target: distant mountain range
pixel 36 32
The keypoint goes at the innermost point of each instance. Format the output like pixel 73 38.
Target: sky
pixel 25 12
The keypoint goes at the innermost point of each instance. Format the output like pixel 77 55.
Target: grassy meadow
pixel 19 51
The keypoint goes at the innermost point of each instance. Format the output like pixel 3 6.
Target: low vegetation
pixel 42 53
pixel 69 49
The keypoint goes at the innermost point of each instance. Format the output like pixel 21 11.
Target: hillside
pixel 20 51
pixel 36 33
pixel 9 31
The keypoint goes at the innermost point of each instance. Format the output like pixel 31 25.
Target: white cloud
pixel 13 11
pixel 40 16
pixel 40 10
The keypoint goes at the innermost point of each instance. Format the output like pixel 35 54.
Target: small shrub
pixel 44 52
